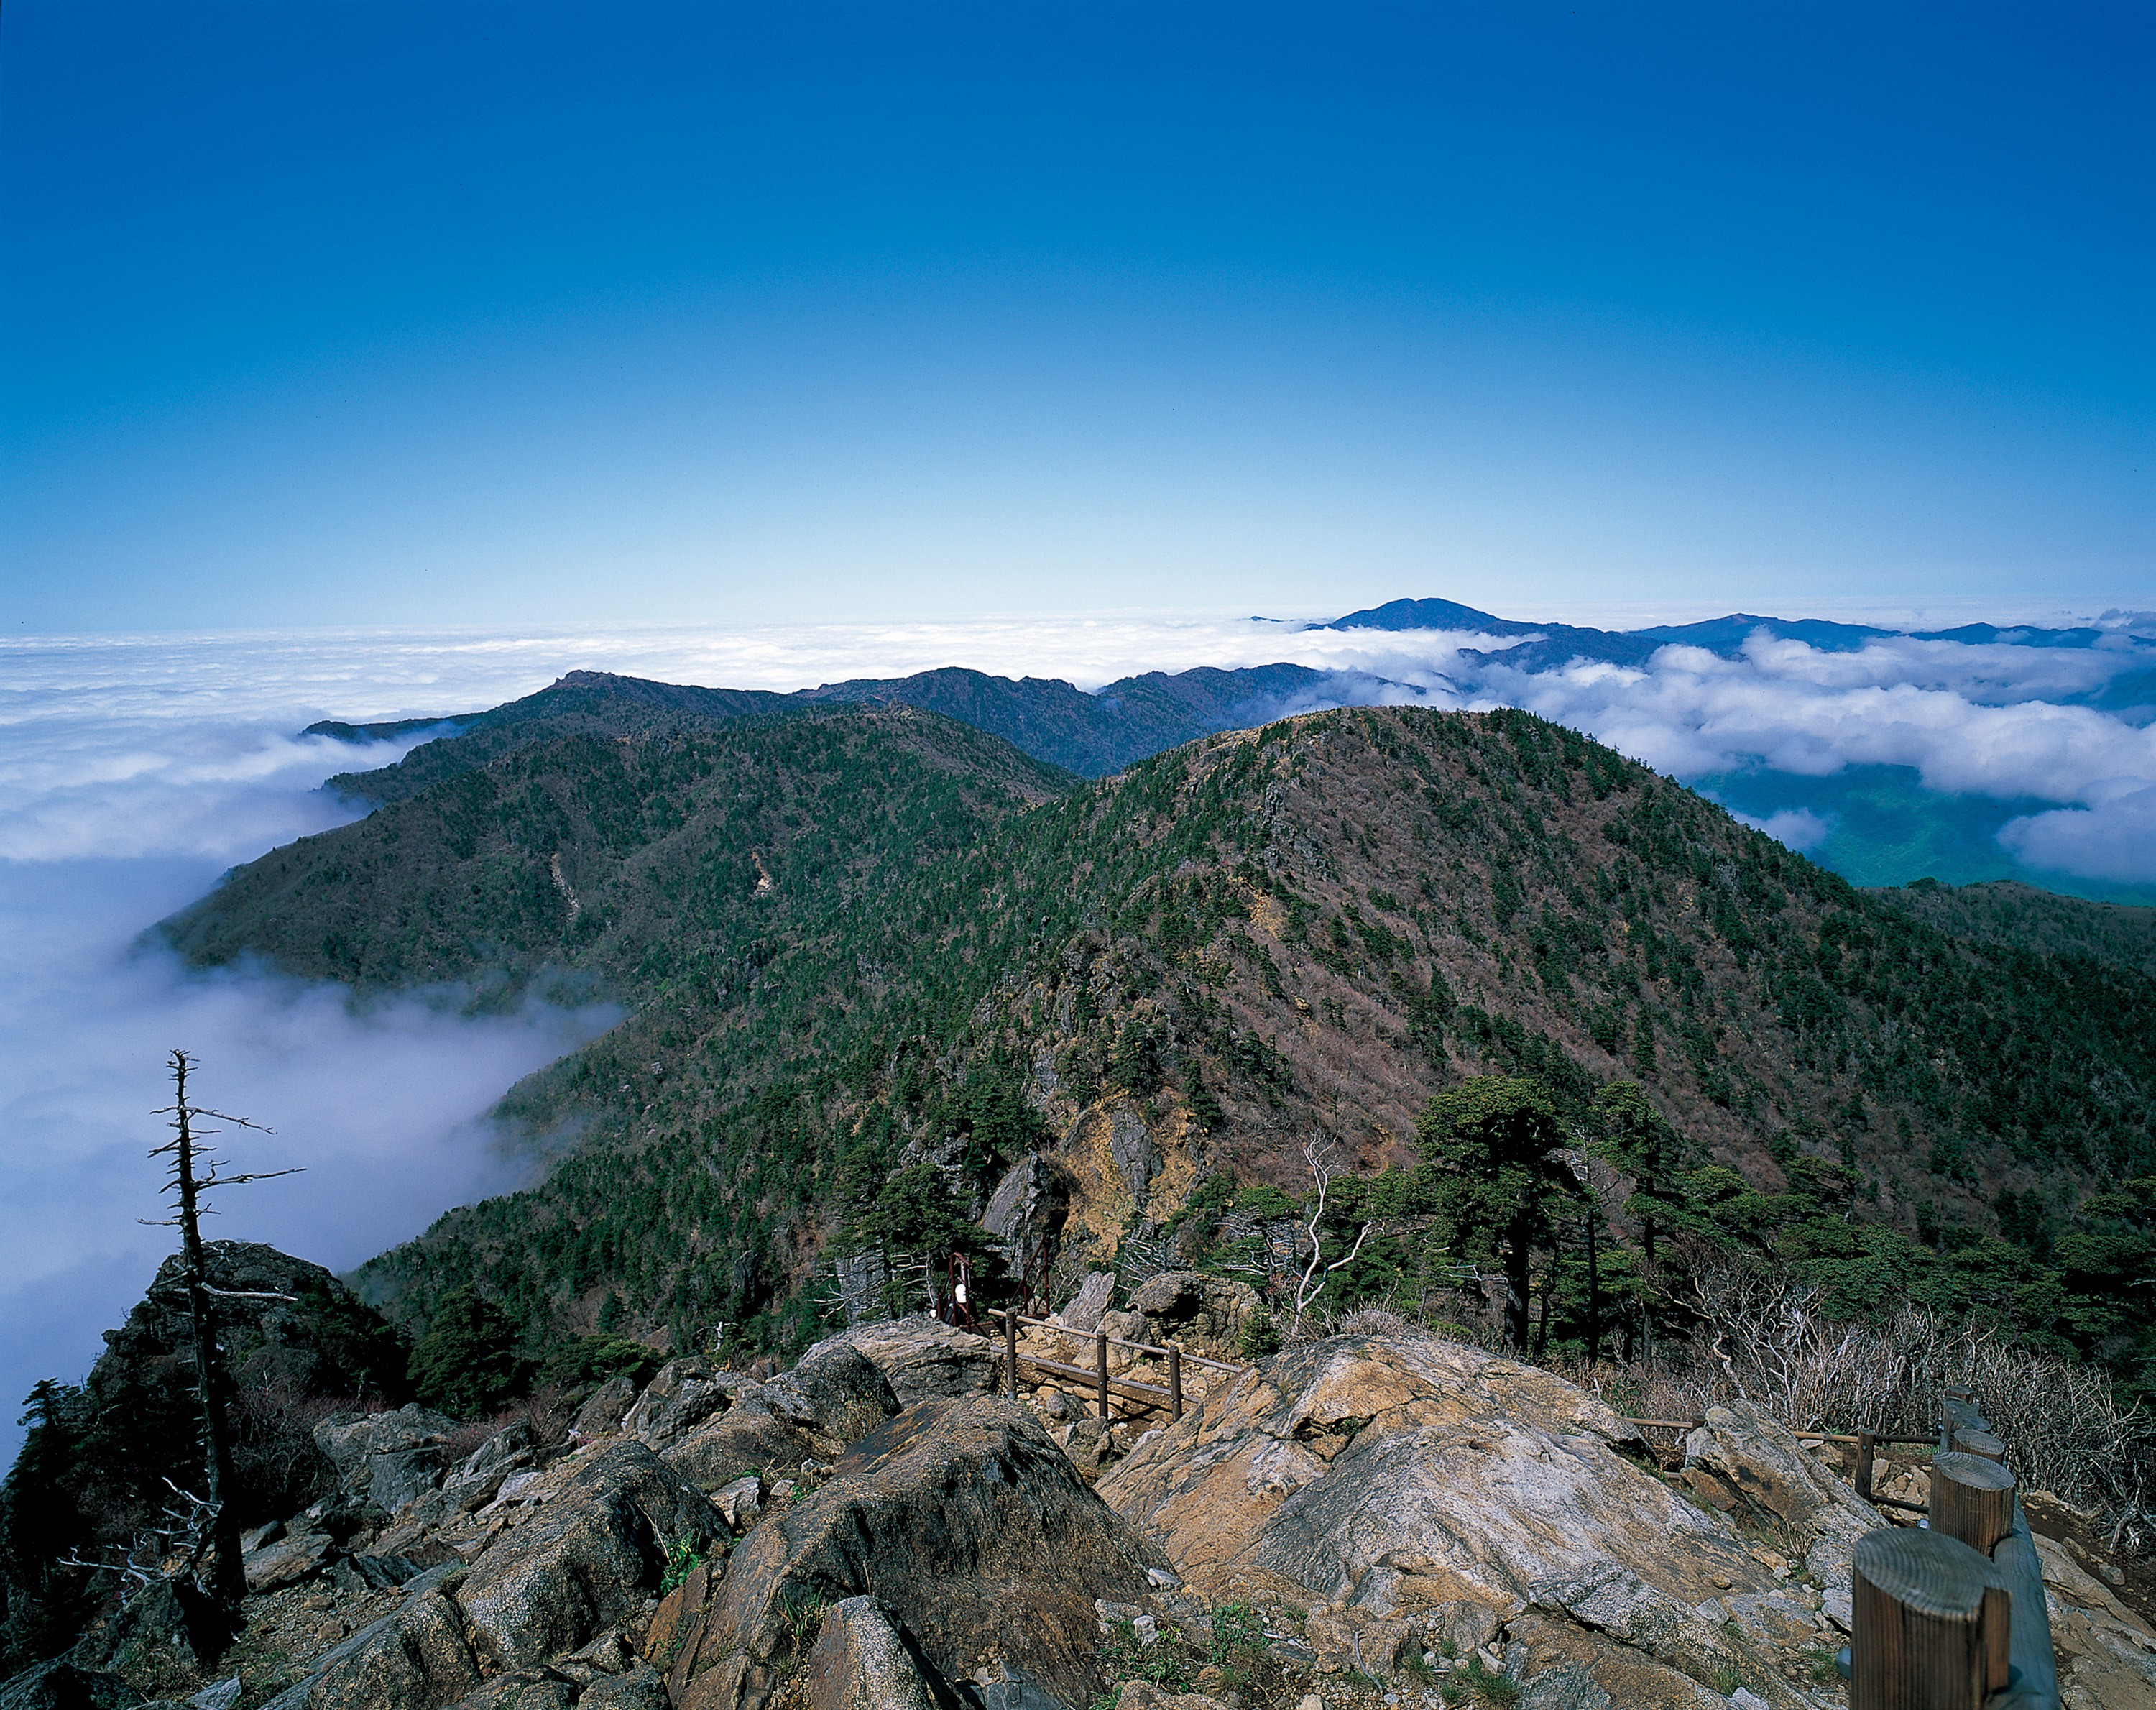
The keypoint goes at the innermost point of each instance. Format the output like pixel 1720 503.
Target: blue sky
pixel 353 313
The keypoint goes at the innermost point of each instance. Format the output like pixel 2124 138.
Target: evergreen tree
pixel 467 1364
pixel 1636 1137
pixel 1500 1180
pixel 41 1523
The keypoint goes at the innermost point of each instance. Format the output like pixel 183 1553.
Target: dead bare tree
pixel 1312 1283
pixel 194 1172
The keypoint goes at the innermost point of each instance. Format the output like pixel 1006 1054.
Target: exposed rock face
pixel 1026 1213
pixel 288 1561
pixel 1136 1158
pixel 923 1359
pixel 1403 1472
pixel 681 1397
pixel 1567 1667
pixel 1740 1453
pixel 386 1459
pixel 1392 1505
pixel 264 1322
pixel 478 1477
pixel 749 1436
pixel 835 1392
pixel 833 1397
pixel 1207 1313
pixel 1614 1600
pixel 966 1520
pixel 604 1410
pixel 579 1569
pixel 419 1657
pixel 583 1565
pixel 861 1661
pixel 59 1684
pixel 1090 1303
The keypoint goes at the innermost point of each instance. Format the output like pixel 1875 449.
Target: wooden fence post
pixel 1967 1441
pixel 1932 1623
pixel 1010 1347
pixel 1867 1444
pixel 1100 1367
pixel 1174 1380
pixel 1973 1500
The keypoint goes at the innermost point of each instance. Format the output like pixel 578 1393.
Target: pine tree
pixel 1496 1145
pixel 467 1364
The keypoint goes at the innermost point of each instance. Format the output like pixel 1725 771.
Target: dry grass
pixel 1764 1339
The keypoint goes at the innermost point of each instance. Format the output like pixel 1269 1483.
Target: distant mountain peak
pixel 1429 614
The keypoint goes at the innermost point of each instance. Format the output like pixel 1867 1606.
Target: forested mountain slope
pixel 862 943
pixel 1090 734
pixel 2006 912
pixel 611 849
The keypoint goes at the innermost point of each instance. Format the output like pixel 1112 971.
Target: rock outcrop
pixel 1391 1486
pixel 1393 1511
pixel 923 1359
pixel 683 1394
pixel 862 1662
pixel 1026 1213
pixel 1090 1304
pixel 61 1685
pixel 597 1547
pixel 1740 1459
pixel 967 1523
pixel 1405 1472
pixel 835 1395
pixel 1207 1314
pixel 386 1460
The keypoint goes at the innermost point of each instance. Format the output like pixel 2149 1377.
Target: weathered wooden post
pixel 1932 1623
pixel 1957 1412
pixel 1175 1380
pixel 1867 1444
pixel 1100 1367
pixel 1972 1499
pixel 1967 1441
pixel 1010 1347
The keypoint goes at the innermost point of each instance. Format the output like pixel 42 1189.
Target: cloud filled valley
pixel 134 771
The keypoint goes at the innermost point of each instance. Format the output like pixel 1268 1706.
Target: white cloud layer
pixel 132 770
pixel 1980 727
pixel 1794 828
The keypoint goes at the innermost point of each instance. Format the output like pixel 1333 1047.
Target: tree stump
pixel 1973 1500
pixel 1932 1623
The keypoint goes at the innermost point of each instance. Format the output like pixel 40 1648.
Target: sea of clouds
pixel 134 770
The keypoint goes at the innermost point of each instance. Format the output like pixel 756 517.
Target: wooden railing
pixel 1867 1444
pixel 1954 1614
pixel 1102 1384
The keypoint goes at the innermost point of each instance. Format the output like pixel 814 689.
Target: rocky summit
pixel 1365 1521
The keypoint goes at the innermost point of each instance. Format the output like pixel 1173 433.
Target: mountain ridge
pixel 852 935
pixel 1091 734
